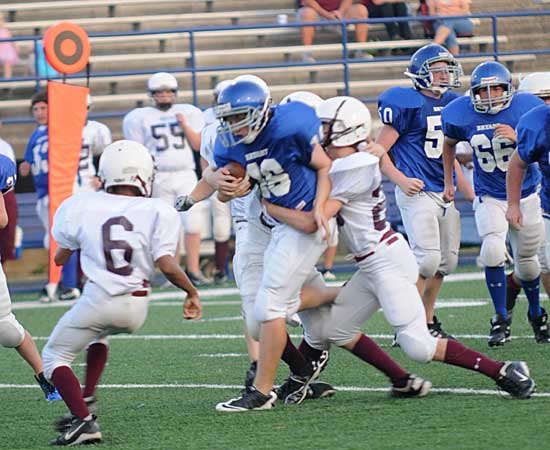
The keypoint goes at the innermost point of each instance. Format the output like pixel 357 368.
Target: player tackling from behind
pixel 121 234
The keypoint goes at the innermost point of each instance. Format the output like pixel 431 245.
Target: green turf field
pixel 161 385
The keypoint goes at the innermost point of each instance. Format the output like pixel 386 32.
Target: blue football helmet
pixel 250 102
pixel 421 72
pixel 487 74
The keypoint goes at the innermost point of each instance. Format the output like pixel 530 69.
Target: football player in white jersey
pixel 121 234
pixel 171 132
pixel 412 131
pixel 95 137
pixel 387 271
pixel 537 83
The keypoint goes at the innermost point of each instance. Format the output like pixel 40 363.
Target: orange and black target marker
pixel 67 47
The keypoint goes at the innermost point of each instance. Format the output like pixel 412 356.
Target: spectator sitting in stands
pixel 390 8
pixel 8 50
pixel 447 29
pixel 316 10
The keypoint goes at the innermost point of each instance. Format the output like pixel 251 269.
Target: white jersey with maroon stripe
pixel 120 237
pixel 357 183
pixel 161 133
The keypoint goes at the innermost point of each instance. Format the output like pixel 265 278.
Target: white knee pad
pixel 526 244
pixel 313 322
pixel 428 262
pixel 492 253
pixel 417 342
pixel 449 261
pixel 253 326
pixel 12 332
pixel 527 268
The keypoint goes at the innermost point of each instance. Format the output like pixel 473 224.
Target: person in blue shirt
pixel 412 132
pixel 279 147
pixel 533 146
pixel 12 333
pixel 36 162
pixel 486 120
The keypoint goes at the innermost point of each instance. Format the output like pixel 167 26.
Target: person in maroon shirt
pixel 317 10
pixel 390 8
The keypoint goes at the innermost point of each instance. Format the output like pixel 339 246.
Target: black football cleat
pixel 514 378
pixel 80 432
pixel 437 331
pixel 414 387
pixel 497 335
pixel 65 421
pixel 251 399
pixel 540 327
pixel 319 389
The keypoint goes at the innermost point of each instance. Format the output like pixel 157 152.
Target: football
pixel 235 169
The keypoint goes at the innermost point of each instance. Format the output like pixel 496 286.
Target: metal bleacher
pixel 131 39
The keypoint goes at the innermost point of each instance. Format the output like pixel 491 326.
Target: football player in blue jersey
pixel 279 146
pixel 36 162
pixel 12 333
pixel 537 83
pixel 486 120
pixel 412 131
pixel 533 145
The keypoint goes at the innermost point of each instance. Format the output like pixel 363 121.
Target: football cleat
pixel 319 389
pixel 250 399
pixel 64 423
pixel 220 277
pixel 50 392
pixel 80 432
pixel 540 327
pixel 198 279
pixel 415 387
pixel 514 378
pixel 48 293
pixel 436 330
pixel 250 374
pixel 497 335
pixel 294 390
pixel 68 294
pixel 320 364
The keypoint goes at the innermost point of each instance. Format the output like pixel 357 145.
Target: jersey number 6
pixel 271 177
pixel 110 245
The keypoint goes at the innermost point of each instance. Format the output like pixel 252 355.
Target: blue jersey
pixel 279 157
pixel 7 174
pixel 534 146
pixel 491 156
pixel 36 154
pixel 417 119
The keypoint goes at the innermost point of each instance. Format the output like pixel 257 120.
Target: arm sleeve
pixel 531 139
pixel 392 114
pixel 131 128
pixel 166 231
pixel 64 228
pixel 348 184
pixel 208 139
pixel 309 132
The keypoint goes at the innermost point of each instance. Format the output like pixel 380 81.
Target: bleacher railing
pixel 190 66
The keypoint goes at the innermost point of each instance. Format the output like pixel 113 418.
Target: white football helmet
pixel 537 83
pixel 347 121
pixel 127 163
pixel 162 80
pixel 309 98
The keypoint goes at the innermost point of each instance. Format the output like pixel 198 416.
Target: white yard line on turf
pixel 219 292
pixel 466 391
pixel 193 337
